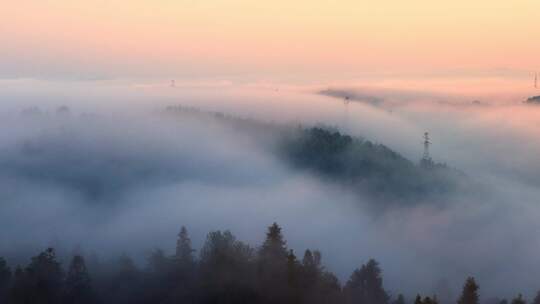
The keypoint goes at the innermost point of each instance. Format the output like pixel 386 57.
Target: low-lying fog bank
pixel 114 175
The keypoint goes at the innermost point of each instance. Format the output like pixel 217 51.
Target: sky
pixel 252 40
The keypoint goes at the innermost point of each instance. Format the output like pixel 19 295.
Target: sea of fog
pixel 113 176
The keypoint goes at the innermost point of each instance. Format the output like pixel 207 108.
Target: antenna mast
pixel 426 158
pixel 536 80
pixel 426 146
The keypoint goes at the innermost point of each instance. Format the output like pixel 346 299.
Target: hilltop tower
pixel 426 146
pixel 426 160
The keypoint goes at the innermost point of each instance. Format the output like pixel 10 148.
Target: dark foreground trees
pixel 42 279
pixel 77 285
pixel 5 278
pixel 365 285
pixel 225 271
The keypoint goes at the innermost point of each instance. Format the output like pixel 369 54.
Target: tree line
pixel 226 270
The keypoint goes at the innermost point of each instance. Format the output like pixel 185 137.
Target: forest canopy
pixel 225 270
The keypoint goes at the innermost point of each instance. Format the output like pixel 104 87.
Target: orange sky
pixel 260 39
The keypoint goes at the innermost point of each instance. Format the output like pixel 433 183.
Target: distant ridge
pixel 533 100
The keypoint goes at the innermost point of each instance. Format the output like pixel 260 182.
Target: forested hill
pixel 367 167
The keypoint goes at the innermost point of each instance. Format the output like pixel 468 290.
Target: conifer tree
pixel 274 247
pixel 5 273
pixel 225 269
pixel 184 251
pixel 311 268
pixel 5 278
pixel 43 278
pixel 183 273
pixel 292 269
pixel 469 294
pixel 78 287
pixel 125 282
pixel 18 290
pixel 272 266
pixel 365 285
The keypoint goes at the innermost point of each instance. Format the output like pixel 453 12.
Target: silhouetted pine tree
pixel 274 248
pixel 17 293
pixel 226 270
pixel 365 285
pixel 159 281
pixel 310 276
pixel 469 295
pixel 272 267
pixel 42 279
pixel 318 285
pixel 184 251
pixel 329 289
pixel 293 278
pixel 124 284
pixel 78 289
pixel 183 276
pixel 5 279
pixel 293 268
pixel 311 268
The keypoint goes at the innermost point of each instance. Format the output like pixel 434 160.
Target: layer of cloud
pixel 126 179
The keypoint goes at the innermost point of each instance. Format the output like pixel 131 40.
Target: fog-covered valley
pixel 117 173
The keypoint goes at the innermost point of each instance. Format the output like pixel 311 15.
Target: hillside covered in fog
pixel 104 183
pixel 363 165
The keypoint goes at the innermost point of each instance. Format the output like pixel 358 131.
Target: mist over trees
pixel 123 184
pixel 367 167
pixel 225 270
pixel 363 166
